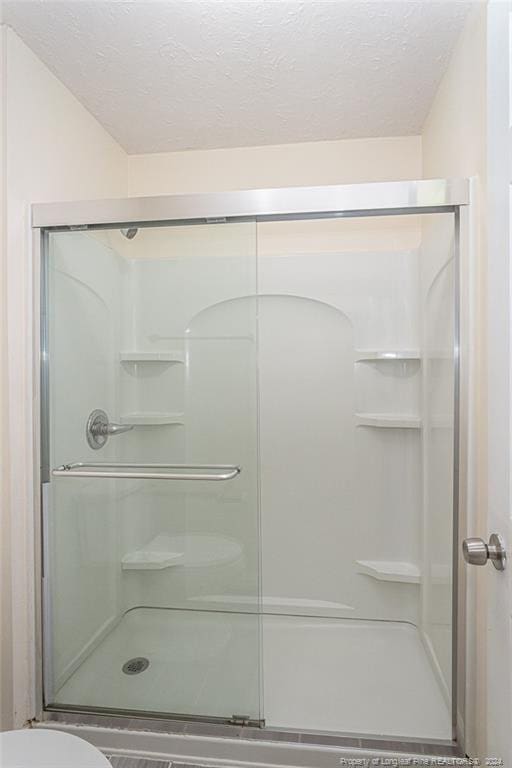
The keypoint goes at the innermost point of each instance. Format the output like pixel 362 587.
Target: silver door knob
pixel 477 552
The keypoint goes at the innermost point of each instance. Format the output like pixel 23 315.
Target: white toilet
pixel 42 748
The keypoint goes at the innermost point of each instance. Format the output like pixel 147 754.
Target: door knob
pixel 477 552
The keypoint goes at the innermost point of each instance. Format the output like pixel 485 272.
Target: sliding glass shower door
pixel 150 471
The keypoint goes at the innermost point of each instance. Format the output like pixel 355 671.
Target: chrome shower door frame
pixel 344 201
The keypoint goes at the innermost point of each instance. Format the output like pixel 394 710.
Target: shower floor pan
pixel 337 675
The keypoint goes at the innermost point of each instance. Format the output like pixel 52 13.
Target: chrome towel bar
pixel 198 471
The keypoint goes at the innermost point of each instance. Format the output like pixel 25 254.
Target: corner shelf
pixel 174 356
pixel 150 559
pixel 390 570
pixel 193 550
pixel 386 355
pixel 388 421
pixel 152 418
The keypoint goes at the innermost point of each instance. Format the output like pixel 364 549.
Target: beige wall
pixel 454 144
pixel 454 131
pixel 56 151
pixel 5 576
pixel 315 163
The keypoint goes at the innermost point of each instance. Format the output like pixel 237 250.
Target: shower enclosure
pixel 249 459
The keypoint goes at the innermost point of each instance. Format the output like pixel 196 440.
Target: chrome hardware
pixel 99 428
pixel 129 233
pixel 477 552
pixel 246 721
pixel 393 196
pixel 239 720
pixel 198 471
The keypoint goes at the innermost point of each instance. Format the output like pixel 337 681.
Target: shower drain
pixel 135 666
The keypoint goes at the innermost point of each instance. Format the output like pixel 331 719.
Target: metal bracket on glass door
pixel 246 721
pixel 144 471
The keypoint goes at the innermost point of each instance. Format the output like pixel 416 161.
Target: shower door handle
pixel 117 429
pixel 98 429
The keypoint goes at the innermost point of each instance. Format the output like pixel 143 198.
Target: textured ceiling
pixel 172 74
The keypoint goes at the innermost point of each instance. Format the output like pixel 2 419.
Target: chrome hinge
pixel 246 720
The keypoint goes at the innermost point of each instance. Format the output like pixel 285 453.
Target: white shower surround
pixel 337 281
pixel 285 279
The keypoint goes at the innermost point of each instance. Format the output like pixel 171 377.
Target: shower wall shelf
pixel 388 421
pixel 152 418
pixel 273 604
pixel 192 549
pixel 386 355
pixel 150 560
pixel 152 357
pixel 390 570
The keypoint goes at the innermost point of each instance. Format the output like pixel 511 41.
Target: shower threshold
pixel 328 681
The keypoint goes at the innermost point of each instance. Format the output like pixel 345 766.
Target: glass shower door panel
pixel 356 379
pixel 152 578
